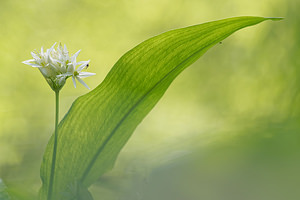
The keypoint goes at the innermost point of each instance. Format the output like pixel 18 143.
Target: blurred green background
pixel 227 128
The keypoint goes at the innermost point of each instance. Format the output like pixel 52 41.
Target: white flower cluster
pixel 56 66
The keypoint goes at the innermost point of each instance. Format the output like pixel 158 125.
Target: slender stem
pixel 50 191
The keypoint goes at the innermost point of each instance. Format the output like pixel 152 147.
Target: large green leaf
pixel 99 123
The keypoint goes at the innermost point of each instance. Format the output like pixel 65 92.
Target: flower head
pixel 57 66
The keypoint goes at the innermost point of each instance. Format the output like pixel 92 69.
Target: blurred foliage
pixel 3 191
pixel 227 128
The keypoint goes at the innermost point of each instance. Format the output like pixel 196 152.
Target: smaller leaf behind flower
pixel 3 191
pixel 99 123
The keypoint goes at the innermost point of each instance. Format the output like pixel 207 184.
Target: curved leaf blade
pixel 99 123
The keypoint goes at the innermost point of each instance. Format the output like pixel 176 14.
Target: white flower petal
pixel 71 68
pixel 27 61
pixel 51 60
pixel 61 81
pixel 54 68
pixel 57 61
pixel 47 56
pixel 66 74
pixel 74 82
pixel 76 54
pixel 46 72
pixel 85 74
pixel 52 46
pixel 31 64
pixel 73 58
pixel 60 49
pixel 83 62
pixel 35 56
pixel 34 65
pixel 83 65
pixel 82 82
pixel 65 48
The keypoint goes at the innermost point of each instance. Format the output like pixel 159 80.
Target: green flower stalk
pixel 57 66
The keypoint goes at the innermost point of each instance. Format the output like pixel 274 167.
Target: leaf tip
pixel 274 18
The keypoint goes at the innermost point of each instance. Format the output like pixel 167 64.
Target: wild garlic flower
pixel 57 66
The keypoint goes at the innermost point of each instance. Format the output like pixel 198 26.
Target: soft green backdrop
pixel 227 128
